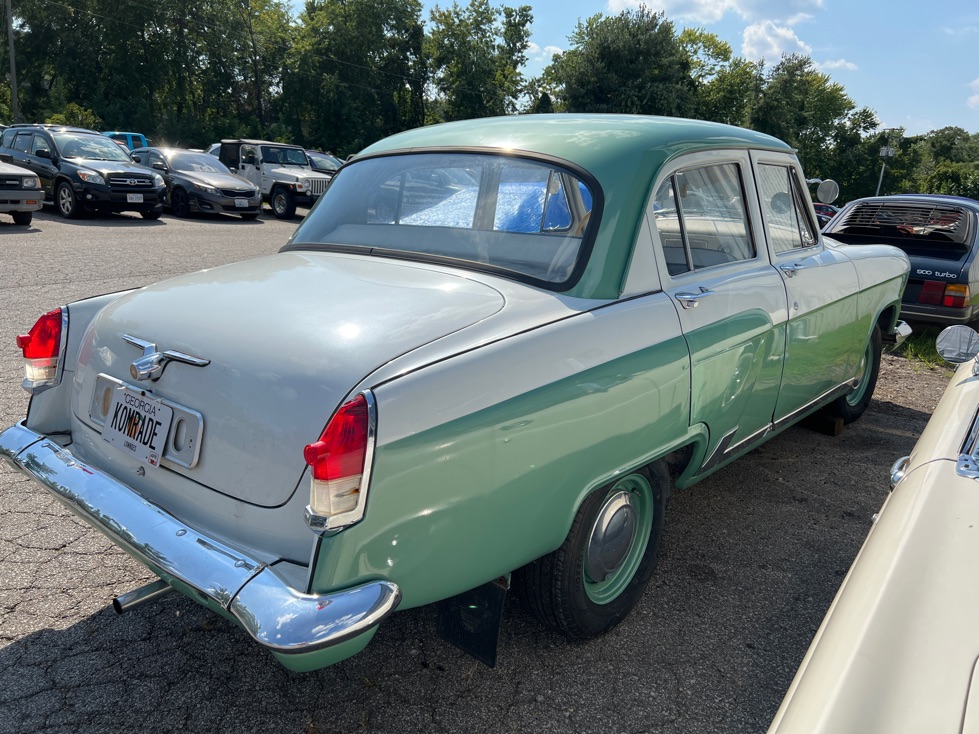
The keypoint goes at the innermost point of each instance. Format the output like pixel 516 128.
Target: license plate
pixel 134 198
pixel 241 203
pixel 138 425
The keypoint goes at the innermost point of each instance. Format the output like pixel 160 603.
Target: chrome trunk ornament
pixel 151 365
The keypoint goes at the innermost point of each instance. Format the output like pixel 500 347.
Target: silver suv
pixel 20 192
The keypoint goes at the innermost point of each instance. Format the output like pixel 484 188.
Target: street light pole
pixel 14 106
pixel 885 152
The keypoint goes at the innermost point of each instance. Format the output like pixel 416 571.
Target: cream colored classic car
pixel 898 650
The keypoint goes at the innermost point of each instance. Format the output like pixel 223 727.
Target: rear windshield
pixel 521 217
pixel 918 222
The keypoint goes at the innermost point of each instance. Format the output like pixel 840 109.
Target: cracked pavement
pixel 751 560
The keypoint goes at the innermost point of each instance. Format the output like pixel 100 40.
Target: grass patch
pixel 920 346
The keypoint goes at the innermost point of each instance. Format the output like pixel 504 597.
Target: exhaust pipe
pixel 138 597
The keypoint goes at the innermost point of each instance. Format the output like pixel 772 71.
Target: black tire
pixel 23 218
pixel 560 588
pixel 283 203
pixel 852 405
pixel 151 214
pixel 180 203
pixel 250 215
pixel 66 201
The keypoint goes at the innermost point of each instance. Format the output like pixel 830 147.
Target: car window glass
pixel 511 213
pixel 23 142
pixel 89 146
pixel 197 162
pixel 156 159
pixel 40 143
pixel 783 208
pixel 701 218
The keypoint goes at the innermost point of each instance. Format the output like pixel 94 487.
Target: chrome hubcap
pixel 612 536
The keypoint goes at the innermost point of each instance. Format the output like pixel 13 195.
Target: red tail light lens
pixel 956 296
pixel 338 463
pixel 41 347
pixel 931 292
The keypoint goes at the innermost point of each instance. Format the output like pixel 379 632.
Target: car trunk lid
pixel 285 338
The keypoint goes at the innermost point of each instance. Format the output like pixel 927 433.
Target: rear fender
pixel 49 410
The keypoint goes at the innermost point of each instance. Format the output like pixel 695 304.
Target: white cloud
pixel 543 54
pixel 711 11
pixel 964 31
pixel 766 40
pixel 973 100
pixel 836 65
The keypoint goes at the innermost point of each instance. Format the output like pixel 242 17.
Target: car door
pixel 731 301
pixel 824 337
pixel 249 166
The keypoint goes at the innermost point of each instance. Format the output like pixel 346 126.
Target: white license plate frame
pixel 241 203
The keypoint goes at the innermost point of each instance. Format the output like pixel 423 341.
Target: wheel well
pixel 677 461
pixel 887 319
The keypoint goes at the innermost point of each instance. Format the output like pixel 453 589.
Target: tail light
pixel 956 296
pixel 340 463
pixel 931 292
pixel 42 347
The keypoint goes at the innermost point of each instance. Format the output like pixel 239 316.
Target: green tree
pixel 632 62
pixel 355 73
pixel 476 54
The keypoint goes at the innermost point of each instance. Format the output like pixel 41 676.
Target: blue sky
pixel 916 64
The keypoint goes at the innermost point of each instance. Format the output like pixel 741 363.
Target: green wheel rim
pixel 640 495
pixel 855 396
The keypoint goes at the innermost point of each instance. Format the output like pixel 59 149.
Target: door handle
pixel 791 269
pixel 692 300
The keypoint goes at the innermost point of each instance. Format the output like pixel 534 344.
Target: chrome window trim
pixel 967 464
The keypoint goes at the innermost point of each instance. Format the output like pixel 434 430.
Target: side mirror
pixel 958 344
pixel 136 158
pixel 160 166
pixel 43 153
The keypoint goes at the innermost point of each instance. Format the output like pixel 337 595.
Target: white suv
pixel 282 172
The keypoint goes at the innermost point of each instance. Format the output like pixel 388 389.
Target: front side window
pixel 783 208
pixel 284 156
pixel 701 218
pixel 515 215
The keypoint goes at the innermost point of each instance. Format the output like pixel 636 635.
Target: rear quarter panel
pixel 483 459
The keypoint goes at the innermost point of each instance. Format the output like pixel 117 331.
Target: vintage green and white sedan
pixel 484 357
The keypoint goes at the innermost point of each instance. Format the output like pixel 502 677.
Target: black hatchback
pixel 940 235
pixel 81 170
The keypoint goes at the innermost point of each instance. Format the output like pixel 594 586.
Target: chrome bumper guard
pixel 901 332
pixel 273 613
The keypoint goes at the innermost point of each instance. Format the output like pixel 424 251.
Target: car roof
pixel 53 128
pixel 261 142
pixel 947 199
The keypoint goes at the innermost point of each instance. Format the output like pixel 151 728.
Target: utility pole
pixel 14 105
pixel 885 152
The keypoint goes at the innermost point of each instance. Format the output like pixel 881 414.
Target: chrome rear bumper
pixel 273 613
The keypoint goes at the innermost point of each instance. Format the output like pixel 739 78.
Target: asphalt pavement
pixel 751 560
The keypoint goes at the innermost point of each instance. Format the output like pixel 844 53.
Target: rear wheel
pixel 67 202
pixel 589 584
pixel 283 203
pixel 22 218
pixel 180 203
pixel 852 405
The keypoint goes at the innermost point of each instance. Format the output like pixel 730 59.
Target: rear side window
pixel 23 142
pixel 924 222
pixel 783 206
pixel 701 218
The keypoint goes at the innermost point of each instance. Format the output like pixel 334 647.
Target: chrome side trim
pixel 276 615
pixel 968 462
pixel 724 450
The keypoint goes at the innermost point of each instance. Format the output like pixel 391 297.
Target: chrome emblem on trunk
pixel 151 365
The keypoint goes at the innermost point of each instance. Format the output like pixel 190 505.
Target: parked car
pixel 501 377
pixel 824 213
pixel 324 162
pixel 81 170
pixel 130 141
pixel 898 647
pixel 282 172
pixel 20 192
pixel 940 235
pixel 199 183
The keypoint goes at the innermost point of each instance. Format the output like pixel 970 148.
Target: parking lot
pixel 751 560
